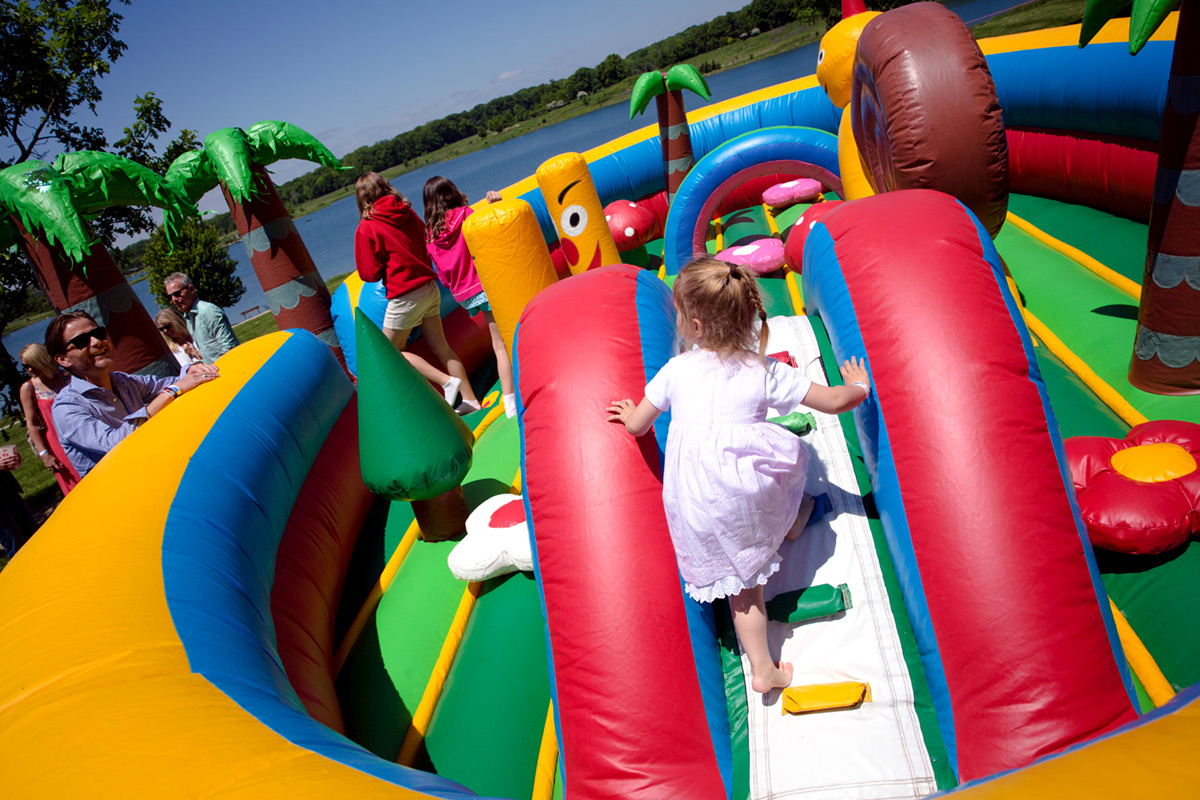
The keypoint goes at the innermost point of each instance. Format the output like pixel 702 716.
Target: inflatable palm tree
pixel 1166 354
pixel 45 209
pixel 667 87
pixel 236 159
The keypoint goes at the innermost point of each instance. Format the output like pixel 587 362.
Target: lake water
pixel 329 233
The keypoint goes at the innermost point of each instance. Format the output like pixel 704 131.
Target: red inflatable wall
pixel 1110 173
pixel 314 554
pixel 629 705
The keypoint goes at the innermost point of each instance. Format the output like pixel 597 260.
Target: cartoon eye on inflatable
pixel 820 56
pixel 574 219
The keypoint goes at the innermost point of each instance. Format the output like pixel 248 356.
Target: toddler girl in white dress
pixel 733 483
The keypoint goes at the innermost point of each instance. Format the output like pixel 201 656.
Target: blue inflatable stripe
pixel 343 324
pixel 807 145
pixel 1098 89
pixel 218 560
pixel 1035 375
pixel 826 294
pixel 656 331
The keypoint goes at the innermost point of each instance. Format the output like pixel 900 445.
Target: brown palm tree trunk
pixel 295 292
pixel 675 139
pixel 1166 356
pixel 98 287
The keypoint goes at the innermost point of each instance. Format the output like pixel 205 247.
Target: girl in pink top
pixel 445 209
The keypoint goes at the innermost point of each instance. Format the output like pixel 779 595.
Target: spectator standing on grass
pixel 46 380
pixel 175 333
pixel 99 407
pixel 16 521
pixel 206 322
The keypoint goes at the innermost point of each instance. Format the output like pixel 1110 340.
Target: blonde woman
pixel 175 333
pixel 46 379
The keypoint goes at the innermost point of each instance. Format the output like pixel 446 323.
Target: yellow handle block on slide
pixel 825 696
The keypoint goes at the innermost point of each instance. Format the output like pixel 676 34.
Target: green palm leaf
pixel 41 199
pixel 102 180
pixel 648 86
pixel 274 140
pixel 1144 20
pixel 229 153
pixel 685 76
pixel 1147 16
pixel 192 175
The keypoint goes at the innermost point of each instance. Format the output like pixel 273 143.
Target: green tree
pixel 199 253
pixel 16 280
pixel 54 54
pixel 611 70
pixel 829 12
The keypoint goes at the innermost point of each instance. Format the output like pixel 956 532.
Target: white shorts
pixel 411 308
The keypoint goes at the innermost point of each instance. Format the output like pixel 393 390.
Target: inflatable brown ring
pixel 925 111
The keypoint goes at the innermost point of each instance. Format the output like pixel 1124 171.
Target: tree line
pixel 532 102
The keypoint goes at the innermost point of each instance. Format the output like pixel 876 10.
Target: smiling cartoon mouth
pixel 595 258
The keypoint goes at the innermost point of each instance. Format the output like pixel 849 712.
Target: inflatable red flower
pixel 1140 494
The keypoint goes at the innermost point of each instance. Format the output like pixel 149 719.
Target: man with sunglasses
pixel 99 407
pixel 206 322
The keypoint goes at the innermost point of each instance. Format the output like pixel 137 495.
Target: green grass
pixel 1033 16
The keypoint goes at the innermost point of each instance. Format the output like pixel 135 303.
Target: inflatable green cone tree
pixel 236 160
pixel 412 445
pixel 44 208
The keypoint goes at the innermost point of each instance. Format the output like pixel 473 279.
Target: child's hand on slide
pixel 619 410
pixel 855 371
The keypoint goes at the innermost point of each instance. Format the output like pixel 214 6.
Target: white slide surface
pixel 875 750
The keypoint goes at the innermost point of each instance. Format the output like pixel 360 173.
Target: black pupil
pixel 574 219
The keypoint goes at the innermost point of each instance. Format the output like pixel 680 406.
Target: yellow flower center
pixel 1154 463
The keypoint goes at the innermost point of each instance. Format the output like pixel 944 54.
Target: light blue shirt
pixel 90 420
pixel 210 330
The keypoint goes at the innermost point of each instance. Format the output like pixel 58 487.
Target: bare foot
pixel 779 676
pixel 802 516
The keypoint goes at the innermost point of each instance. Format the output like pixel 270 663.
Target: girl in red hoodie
pixel 389 245
pixel 445 209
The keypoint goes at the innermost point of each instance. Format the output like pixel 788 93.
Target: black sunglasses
pixel 84 339
pixel 165 328
pixel 178 292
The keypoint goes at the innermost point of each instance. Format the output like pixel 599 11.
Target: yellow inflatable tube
pixel 129 671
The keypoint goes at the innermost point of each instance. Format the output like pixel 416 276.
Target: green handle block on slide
pixel 798 422
pixel 812 602
pixel 412 446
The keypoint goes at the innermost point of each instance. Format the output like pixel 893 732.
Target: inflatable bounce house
pixel 267 592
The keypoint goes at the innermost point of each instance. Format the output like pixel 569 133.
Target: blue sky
pixel 353 74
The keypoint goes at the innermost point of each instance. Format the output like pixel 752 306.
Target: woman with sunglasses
pixel 99 406
pixel 174 331
pixel 46 380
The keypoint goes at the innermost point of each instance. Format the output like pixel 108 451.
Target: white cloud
pixel 512 73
